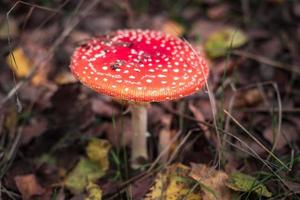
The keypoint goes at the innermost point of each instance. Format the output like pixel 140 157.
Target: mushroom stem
pixel 139 140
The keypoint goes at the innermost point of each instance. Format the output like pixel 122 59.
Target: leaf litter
pixel 58 109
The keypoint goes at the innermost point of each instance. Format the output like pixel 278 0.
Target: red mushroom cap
pixel 139 65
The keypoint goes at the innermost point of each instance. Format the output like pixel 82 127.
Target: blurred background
pixel 50 123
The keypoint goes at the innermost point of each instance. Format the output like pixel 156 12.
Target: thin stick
pixel 267 61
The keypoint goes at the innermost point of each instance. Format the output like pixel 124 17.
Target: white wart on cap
pixel 139 65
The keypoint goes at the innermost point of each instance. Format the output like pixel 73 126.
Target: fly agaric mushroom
pixel 139 66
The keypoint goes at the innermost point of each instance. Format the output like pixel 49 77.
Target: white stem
pixel 139 140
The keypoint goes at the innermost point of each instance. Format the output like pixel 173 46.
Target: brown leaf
pixel 141 186
pixel 173 28
pixel 294 186
pixel 204 28
pixel 199 116
pixel 296 9
pixel 8 28
pixel 166 137
pixel 248 98
pixel 28 186
pixel 35 49
pixel 119 133
pixel 212 182
pixel 35 128
pixel 288 134
pixel 103 108
pixel 219 11
pixel 64 78
pixel 173 183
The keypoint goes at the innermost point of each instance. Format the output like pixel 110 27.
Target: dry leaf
pixel 199 116
pixel 248 98
pixel 8 28
pixel 35 128
pixel 64 78
pixel 118 133
pixel 104 108
pixel 28 186
pixel 97 151
pixel 94 192
pixel 166 135
pixel 166 138
pixel 173 28
pixel 174 184
pixel 19 63
pixel 218 11
pixel 204 28
pixel 11 121
pixel 84 172
pixel 288 134
pixel 212 182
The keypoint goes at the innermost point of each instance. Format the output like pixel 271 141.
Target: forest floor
pixel 61 140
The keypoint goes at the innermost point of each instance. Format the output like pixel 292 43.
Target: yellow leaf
pixel 94 192
pixel 174 184
pixel 84 172
pixel 173 28
pixel 97 151
pixel 212 182
pixel 64 78
pixel 19 63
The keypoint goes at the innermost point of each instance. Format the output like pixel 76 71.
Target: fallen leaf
pixel 103 108
pixel 64 78
pixel 166 137
pixel 296 9
pixel 174 184
pixel 293 186
pixel 118 133
pixel 173 28
pixel 11 121
pixel 288 134
pixel 19 63
pixel 84 172
pixel 203 29
pixel 244 183
pixel 35 128
pixel 212 182
pixel 219 11
pixel 199 116
pixel 93 191
pixel 35 47
pixel 97 151
pixel 248 98
pixel 8 28
pixel 221 41
pixel 140 187
pixel 28 186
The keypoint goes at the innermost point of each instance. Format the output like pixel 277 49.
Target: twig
pixel 267 61
pixel 263 110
